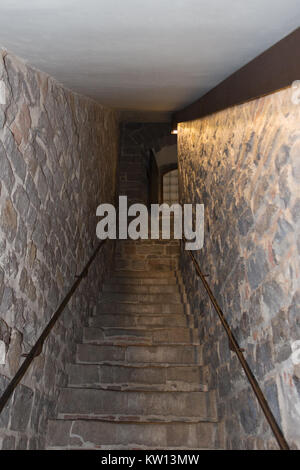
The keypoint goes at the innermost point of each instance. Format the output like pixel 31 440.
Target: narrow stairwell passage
pixel 138 380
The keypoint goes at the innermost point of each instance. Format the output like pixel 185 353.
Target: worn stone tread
pixel 95 434
pixel 140 288
pixel 130 280
pixel 156 405
pixel 136 320
pixel 141 308
pixel 129 354
pixel 141 336
pixel 123 273
pixel 144 298
pixel 173 377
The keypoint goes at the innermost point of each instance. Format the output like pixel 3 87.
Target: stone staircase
pixel 138 380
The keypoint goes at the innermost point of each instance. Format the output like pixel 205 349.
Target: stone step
pixel 162 249
pixel 111 405
pixel 141 289
pixel 148 274
pixel 171 378
pixel 163 253
pixel 169 354
pixel 119 297
pixel 139 259
pixel 161 264
pixel 134 320
pixel 147 243
pixel 93 434
pixel 148 252
pixel 142 336
pixel 143 281
pixel 135 308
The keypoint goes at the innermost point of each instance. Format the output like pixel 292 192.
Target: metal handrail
pixel 234 346
pixel 37 348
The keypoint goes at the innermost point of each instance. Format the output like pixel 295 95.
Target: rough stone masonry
pixel 243 163
pixel 58 159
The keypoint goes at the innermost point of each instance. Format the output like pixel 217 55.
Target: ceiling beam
pixel 274 69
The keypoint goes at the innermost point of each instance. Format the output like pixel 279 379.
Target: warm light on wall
pixel 174 127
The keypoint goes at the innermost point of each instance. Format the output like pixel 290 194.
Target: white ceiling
pixel 146 55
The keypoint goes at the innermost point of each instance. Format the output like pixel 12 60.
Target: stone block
pixel 5 170
pixel 257 268
pixel 21 409
pixel 4 416
pixel 14 155
pixel 8 220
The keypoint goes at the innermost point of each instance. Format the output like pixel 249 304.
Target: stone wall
pixel 58 158
pixel 136 141
pixel 244 164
